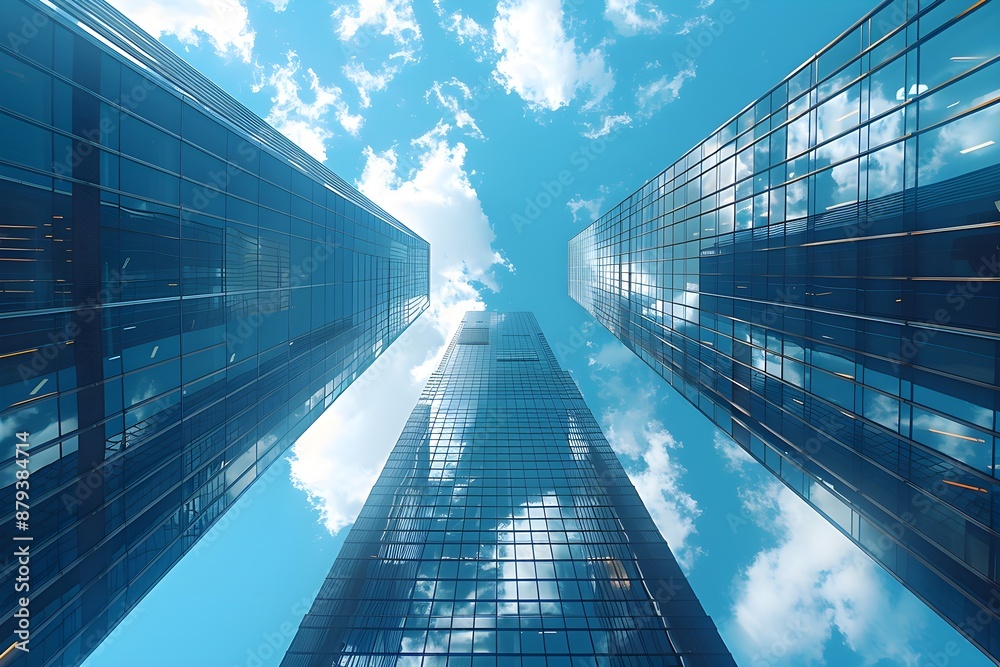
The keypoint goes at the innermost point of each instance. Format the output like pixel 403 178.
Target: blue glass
pixel 503 530
pixel 847 334
pixel 161 335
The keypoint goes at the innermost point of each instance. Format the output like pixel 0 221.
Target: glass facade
pixel 821 278
pixel 182 292
pixel 503 532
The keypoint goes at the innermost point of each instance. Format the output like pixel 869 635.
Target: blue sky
pixel 497 130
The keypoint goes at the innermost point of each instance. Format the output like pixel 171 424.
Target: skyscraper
pixel 821 278
pixel 504 531
pixel 182 292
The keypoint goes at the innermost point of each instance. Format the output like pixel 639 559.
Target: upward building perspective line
pixel 504 531
pixel 820 277
pixel 488 397
pixel 184 291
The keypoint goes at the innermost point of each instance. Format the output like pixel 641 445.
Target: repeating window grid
pixel 205 499
pixel 655 245
pixel 520 545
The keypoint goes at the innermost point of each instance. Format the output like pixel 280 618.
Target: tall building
pixel 503 532
pixel 182 292
pixel 821 278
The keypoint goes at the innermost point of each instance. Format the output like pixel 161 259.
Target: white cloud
pixel 693 23
pixel 539 62
pixel 338 459
pixel 631 17
pixel 456 104
pixel 585 210
pixel 224 22
pixel 359 24
pixel 467 31
pixel 301 121
pixel 278 5
pixel 369 82
pixel 656 95
pixel 634 432
pixel 734 456
pixel 609 124
pixel 792 597
pixel 392 18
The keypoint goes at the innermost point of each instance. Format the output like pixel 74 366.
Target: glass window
pixel 274 197
pixel 28 91
pixel 27 31
pixel 242 184
pixel 149 144
pixel 199 129
pixel 837 56
pixel 885 171
pixel 243 153
pixel 967 93
pixel 110 86
pixel 275 171
pixel 202 252
pixel 890 18
pixel 800 82
pixel 25 144
pixel 143 97
pixel 147 182
pixel 201 198
pixel 960 147
pixel 956 440
pixel 203 168
pixel 948 54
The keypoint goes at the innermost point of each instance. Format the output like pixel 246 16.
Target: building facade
pixel 821 278
pixel 503 531
pixel 182 292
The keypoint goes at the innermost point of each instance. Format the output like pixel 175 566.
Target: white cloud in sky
pixel 609 125
pixel 585 210
pixel 466 30
pixel 693 23
pixel 813 586
pixel 794 597
pixel 299 120
pixel 392 18
pixel 368 82
pixel 661 92
pixel 540 62
pixel 224 23
pixel 360 23
pixel 733 455
pixel 646 448
pixel 456 103
pixel 339 458
pixel 631 17
pixel 278 5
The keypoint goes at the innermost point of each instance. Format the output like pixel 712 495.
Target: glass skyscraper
pixel 182 292
pixel 821 278
pixel 503 532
